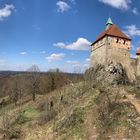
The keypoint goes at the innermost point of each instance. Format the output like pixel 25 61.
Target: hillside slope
pixel 75 112
pixel 103 107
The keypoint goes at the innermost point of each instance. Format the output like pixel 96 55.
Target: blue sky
pixel 58 33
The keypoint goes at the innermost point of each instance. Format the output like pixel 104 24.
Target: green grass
pixel 28 114
pixel 31 112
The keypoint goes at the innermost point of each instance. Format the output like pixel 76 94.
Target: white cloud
pixel 135 11
pixel 86 66
pixel 43 52
pixel 79 67
pixel 73 63
pixel 133 56
pixel 62 6
pixel 76 65
pixel 23 53
pixel 80 44
pixel 55 57
pixel 132 30
pixel 60 45
pixel 119 4
pixel 6 11
pixel 87 59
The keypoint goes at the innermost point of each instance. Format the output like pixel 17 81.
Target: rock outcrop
pixel 112 74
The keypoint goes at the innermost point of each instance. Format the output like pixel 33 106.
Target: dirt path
pixel 134 101
pixel 89 128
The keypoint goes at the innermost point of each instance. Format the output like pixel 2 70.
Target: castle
pixel 113 45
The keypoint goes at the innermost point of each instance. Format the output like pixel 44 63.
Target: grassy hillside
pixel 73 112
pixel 104 106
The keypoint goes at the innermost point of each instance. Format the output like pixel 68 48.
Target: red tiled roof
pixel 138 52
pixel 112 31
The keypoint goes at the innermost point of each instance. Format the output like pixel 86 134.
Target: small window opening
pixel 117 40
pixel 124 42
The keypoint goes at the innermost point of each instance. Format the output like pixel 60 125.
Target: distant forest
pixel 19 87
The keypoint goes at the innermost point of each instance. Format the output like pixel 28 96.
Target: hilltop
pixel 96 108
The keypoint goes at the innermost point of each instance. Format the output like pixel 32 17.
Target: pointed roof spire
pixel 109 23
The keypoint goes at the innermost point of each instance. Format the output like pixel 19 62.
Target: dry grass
pixel 72 116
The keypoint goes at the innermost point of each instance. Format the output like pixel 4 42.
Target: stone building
pixel 138 63
pixel 113 46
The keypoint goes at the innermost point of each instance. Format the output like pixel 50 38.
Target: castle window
pixel 124 42
pixel 117 40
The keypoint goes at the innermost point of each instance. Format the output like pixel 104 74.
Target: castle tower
pixel 112 45
pixel 138 62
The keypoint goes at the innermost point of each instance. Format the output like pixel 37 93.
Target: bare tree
pixel 16 89
pixel 34 75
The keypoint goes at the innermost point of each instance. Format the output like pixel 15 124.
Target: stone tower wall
pixel 98 53
pixel 98 56
pixel 122 56
pixel 138 66
pixel 108 50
